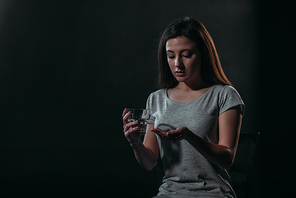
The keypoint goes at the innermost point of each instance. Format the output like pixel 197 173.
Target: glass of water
pixel 142 115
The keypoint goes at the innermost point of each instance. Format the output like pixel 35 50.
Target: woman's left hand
pixel 174 135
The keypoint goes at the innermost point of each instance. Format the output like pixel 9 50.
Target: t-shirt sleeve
pixel 149 105
pixel 230 98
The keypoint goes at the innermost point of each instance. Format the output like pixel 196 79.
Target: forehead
pixel 180 43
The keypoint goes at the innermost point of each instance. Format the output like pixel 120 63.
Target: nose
pixel 178 62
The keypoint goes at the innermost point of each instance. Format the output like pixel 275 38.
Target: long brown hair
pixel 211 69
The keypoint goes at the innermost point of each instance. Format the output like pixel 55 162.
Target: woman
pixel 196 116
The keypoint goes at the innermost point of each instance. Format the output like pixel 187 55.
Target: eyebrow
pixel 181 50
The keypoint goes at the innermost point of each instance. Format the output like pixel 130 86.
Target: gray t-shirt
pixel 187 172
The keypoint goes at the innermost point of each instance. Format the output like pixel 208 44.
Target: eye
pixel 170 56
pixel 187 55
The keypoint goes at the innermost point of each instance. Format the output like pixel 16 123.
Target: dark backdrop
pixel 68 69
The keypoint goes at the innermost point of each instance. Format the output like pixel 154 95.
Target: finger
pixel 124 112
pixel 172 134
pixel 179 137
pixel 162 134
pixel 175 135
pixel 157 130
pixel 131 125
pixel 125 117
pixel 131 131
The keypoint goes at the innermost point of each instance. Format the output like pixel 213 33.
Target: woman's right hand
pixel 130 129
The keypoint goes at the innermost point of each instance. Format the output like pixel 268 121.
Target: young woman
pixel 196 116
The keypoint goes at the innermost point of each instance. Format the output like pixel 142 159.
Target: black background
pixel 68 69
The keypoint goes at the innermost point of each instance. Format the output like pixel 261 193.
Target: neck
pixel 193 86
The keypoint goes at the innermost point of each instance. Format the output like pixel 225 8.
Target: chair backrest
pixel 242 170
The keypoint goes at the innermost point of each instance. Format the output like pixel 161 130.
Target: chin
pixel 181 79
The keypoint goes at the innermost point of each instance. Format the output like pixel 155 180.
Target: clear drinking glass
pixel 142 115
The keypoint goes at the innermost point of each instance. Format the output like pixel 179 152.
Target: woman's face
pixel 184 59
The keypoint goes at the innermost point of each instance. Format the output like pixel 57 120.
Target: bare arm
pixel 223 153
pixel 145 152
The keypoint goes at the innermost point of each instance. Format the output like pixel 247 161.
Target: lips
pixel 180 73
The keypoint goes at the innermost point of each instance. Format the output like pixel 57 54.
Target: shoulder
pixel 219 87
pixel 155 99
pixel 225 90
pixel 228 97
pixel 229 88
pixel 158 93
